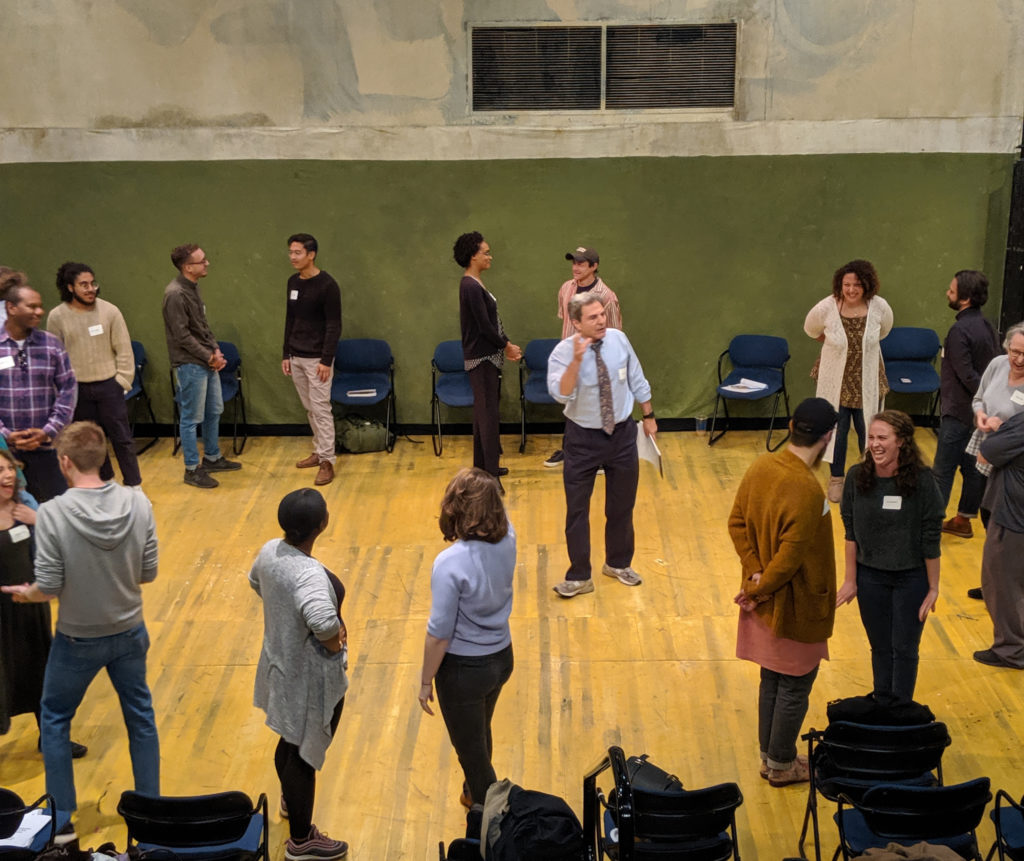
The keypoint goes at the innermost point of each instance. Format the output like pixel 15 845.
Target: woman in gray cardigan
pixel 300 679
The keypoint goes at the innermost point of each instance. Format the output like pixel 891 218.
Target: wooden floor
pixel 649 668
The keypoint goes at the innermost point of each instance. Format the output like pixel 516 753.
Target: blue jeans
pixel 200 401
pixel 73 663
pixel 889 602
pixel 949 456
pixel 846 415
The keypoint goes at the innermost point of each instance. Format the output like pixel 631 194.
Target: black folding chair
pixel 231 388
pixel 13 811
pixel 1008 818
pixel 849 758
pixel 224 826
pixel 533 380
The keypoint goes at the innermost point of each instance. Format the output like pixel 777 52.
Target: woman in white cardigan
pixel 850 324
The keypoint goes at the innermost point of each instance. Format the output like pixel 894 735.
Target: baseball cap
pixel 815 416
pixel 580 254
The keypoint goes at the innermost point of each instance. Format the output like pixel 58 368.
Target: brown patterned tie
pixel 604 391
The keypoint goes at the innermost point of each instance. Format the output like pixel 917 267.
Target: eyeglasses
pixel 203 262
pixel 1015 354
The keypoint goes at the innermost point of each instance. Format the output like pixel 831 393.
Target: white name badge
pixel 622 373
pixel 294 294
pixel 6 362
pixel 892 503
pixel 1017 397
pixel 96 330
pixel 18 533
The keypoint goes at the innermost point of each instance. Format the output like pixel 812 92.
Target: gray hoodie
pixel 95 547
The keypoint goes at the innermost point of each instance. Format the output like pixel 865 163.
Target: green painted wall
pixel 698 249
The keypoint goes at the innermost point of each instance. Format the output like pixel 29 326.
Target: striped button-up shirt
pixel 37 385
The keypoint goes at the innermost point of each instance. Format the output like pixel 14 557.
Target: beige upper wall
pixel 188 79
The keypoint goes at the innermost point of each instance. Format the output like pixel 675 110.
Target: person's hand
pixel 426 696
pixel 323 372
pixel 217 361
pixel 343 634
pixel 512 352
pixel 994 423
pixel 16 592
pixel 928 604
pixel 579 347
pixel 981 458
pixel 746 603
pixel 847 592
pixel 23 514
pixel 651 427
pixel 286 367
pixel 28 440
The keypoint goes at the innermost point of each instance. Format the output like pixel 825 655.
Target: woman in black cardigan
pixel 485 346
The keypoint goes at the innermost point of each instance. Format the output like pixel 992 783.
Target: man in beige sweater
pixel 96 338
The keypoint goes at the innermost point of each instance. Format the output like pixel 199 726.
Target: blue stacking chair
pixel 533 380
pixel 909 355
pixel 761 358
pixel 13 810
pixel 231 389
pixel 896 813
pixel 641 823
pixel 1008 818
pixel 137 393
pixel 449 385
pixel 224 826
pixel 364 373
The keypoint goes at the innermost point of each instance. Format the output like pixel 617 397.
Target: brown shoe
pixel 325 475
pixel 308 462
pixel 958 526
pixel 798 772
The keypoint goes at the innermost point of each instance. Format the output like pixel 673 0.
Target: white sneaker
pixel 572 588
pixel 626 576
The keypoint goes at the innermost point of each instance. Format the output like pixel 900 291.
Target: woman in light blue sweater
pixel 468 648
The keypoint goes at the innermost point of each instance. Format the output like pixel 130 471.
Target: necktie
pixel 604 391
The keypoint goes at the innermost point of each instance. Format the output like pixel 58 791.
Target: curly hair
pixel 909 462
pixel 67 274
pixel 181 253
pixel 466 247
pixel 471 509
pixel 864 271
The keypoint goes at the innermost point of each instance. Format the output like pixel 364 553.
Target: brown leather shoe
pixel 959 526
pixel 325 475
pixel 308 462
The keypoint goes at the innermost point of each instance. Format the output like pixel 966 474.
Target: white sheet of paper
pixel 647 449
pixel 745 385
pixel 33 822
pixel 361 393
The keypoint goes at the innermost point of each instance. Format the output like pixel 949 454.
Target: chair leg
pixel 389 441
pixel 149 408
pixel 712 439
pixel 239 401
pixel 522 424
pixel 435 420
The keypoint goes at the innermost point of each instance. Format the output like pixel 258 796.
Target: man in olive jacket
pixel 781 527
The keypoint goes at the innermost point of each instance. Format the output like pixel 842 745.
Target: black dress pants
pixel 485 382
pixel 103 402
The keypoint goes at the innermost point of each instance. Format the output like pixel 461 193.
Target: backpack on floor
pixel 356 434
pixel 537 827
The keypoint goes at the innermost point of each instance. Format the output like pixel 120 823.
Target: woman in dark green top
pixel 892 511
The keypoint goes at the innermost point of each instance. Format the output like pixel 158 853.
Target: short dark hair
pixel 67 275
pixel 84 443
pixel 580 301
pixel 973 286
pixel 466 247
pixel 471 509
pixel 181 253
pixel 9 279
pixel 19 481
pixel 909 463
pixel 308 241
pixel 864 271
pixel 14 292
pixel 301 514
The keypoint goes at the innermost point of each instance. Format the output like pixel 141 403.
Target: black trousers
pixel 43 478
pixel 298 782
pixel 103 402
pixel 467 692
pixel 586 451
pixel 485 382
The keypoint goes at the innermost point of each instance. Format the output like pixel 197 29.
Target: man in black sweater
pixel 312 327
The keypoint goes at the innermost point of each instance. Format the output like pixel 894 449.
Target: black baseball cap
pixel 815 416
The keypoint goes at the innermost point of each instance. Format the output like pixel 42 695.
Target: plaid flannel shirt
pixel 37 386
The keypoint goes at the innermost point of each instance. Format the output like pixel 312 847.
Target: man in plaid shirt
pixel 37 391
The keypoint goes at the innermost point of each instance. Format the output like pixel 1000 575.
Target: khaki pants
pixel 316 399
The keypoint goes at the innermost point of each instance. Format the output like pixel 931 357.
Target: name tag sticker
pixel 294 294
pixel 18 533
pixel 96 330
pixel 6 362
pixel 892 503
pixel 622 373
pixel 1017 397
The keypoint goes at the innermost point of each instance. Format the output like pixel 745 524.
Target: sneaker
pixel 77 750
pixel 324 475
pixel 976 594
pixel 556 459
pixel 835 488
pixel 958 526
pixel 199 477
pixel 221 464
pixel 571 588
pixel 65 835
pixel 600 471
pixel 316 847
pixel 798 772
pixel 309 462
pixel 626 576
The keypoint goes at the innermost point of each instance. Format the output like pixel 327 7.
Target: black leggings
pixel 298 782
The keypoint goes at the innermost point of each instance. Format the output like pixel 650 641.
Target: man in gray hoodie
pixel 95 547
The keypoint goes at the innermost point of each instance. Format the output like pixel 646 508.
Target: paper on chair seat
pixel 745 385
